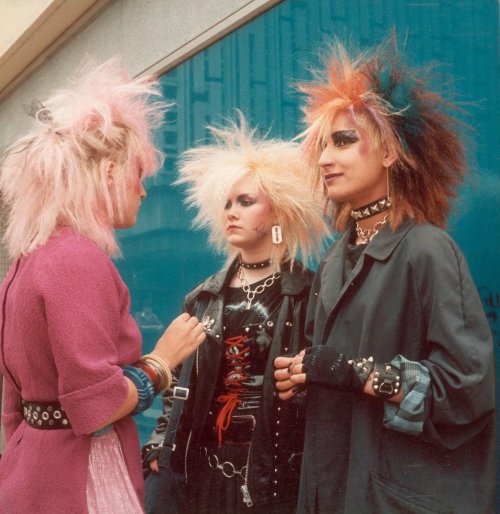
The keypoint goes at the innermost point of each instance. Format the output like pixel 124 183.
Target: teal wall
pixel 252 69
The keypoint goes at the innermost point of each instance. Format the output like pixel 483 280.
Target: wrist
pixel 157 369
pixel 386 382
pixel 363 368
pixel 164 359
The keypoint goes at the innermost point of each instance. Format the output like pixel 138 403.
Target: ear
pixel 109 172
pixel 390 157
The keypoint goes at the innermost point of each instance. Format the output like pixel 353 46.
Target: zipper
pixel 244 488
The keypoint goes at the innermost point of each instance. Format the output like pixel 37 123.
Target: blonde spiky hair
pixel 212 171
pixel 393 104
pixel 58 175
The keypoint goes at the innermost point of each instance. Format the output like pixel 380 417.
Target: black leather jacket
pixel 277 442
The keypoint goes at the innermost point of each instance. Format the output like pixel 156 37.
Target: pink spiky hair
pixel 56 175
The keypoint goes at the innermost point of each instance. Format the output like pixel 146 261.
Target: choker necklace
pixel 255 265
pixel 367 235
pixel 376 207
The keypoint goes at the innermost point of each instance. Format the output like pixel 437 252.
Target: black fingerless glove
pixel 325 366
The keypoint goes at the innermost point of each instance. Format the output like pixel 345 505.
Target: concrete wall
pixel 150 35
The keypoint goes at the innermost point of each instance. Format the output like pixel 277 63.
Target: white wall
pixel 150 35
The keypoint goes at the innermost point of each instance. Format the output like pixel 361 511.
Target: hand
pixel 325 366
pixel 153 466
pixel 289 376
pixel 180 339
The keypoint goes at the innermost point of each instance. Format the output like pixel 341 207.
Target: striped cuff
pixel 409 415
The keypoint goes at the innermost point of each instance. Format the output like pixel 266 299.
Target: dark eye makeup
pixel 244 200
pixel 344 137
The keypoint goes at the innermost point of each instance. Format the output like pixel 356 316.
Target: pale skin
pixel 182 336
pixel 247 218
pixel 354 170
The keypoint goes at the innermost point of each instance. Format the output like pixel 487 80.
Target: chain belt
pixel 228 469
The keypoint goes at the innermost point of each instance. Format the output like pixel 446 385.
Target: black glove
pixel 325 366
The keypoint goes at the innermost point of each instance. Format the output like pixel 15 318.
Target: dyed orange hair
pixel 393 104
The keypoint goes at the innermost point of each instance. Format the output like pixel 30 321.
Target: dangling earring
pixel 388 187
pixel 276 232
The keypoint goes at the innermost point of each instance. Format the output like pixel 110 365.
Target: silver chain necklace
pixel 259 289
pixel 367 235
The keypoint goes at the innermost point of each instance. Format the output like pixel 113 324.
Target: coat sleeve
pixel 459 353
pixel 82 301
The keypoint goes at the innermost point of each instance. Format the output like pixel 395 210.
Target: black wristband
pixel 386 382
pixel 363 368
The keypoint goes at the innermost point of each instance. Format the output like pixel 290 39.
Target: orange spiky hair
pixel 394 106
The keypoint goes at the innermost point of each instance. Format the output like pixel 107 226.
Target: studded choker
pixel 376 207
pixel 255 265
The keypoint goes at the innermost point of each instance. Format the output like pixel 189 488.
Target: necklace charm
pixel 367 235
pixel 259 289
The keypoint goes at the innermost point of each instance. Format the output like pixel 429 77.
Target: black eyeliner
pixel 343 137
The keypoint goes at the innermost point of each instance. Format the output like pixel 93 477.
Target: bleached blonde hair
pixel 58 175
pixel 212 171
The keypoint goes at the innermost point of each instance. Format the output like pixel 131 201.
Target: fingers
pixel 292 380
pixel 282 362
pixel 286 395
pixel 180 339
pixel 153 465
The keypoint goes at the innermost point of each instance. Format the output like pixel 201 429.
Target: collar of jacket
pixel 381 247
pixel 291 283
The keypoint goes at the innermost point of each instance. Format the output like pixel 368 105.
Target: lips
pixel 330 177
pixel 232 227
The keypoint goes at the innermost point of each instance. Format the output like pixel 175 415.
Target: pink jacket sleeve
pixel 87 313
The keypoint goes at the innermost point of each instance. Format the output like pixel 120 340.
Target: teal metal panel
pixel 252 69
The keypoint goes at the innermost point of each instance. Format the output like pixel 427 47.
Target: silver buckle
pixel 181 393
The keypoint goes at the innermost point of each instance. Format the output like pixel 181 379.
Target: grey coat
pixel 411 294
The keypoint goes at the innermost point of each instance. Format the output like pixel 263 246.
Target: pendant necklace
pixel 259 289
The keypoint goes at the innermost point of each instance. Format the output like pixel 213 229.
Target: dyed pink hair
pixel 58 175
pixel 392 103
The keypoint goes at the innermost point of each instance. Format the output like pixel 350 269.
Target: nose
pixel 326 158
pixel 143 192
pixel 232 213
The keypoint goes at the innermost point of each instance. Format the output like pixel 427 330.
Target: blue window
pixel 253 69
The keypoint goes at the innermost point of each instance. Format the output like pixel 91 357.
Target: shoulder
pixel 425 241
pixel 211 286
pixel 71 257
pixel 296 281
pixel 433 256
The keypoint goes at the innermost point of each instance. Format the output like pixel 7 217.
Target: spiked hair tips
pixel 57 175
pixel 211 172
pixel 393 104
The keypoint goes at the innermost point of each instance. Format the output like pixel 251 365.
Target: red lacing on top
pixel 236 358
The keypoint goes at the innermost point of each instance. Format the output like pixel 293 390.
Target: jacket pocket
pixel 390 497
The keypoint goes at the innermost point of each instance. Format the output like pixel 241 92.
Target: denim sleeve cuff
pixel 409 415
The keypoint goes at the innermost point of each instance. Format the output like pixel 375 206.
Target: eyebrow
pixel 346 132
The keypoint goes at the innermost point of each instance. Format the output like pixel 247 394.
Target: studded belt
pixel 45 415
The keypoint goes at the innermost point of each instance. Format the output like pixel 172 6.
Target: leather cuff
pixel 386 381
